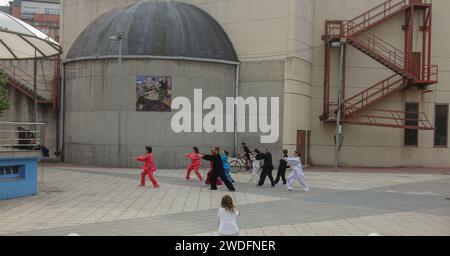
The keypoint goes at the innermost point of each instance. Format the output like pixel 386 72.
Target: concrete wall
pixel 375 146
pixel 91 116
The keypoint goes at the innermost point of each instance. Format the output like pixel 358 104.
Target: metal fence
pixel 21 136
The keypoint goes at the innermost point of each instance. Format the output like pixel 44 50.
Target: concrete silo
pixel 172 44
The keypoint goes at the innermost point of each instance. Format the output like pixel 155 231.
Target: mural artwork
pixel 154 93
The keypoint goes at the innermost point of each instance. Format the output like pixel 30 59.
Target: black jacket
pixel 267 157
pixel 283 163
pixel 216 161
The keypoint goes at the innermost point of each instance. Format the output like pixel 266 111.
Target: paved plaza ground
pixel 107 202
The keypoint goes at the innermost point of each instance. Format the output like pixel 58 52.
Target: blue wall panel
pixel 24 184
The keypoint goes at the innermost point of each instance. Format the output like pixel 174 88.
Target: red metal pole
pixel 429 42
pixel 344 68
pixel 326 89
pixel 424 41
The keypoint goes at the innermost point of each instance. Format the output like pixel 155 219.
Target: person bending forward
pixel 217 170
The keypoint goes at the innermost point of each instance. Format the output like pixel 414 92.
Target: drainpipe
pixel 61 113
pixel 236 143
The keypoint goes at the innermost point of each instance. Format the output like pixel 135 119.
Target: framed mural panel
pixel 154 93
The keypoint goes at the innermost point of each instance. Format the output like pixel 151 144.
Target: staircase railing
pixel 21 78
pixel 373 94
pixel 368 19
pixel 392 118
pixel 387 52
pixel 374 16
pixel 371 18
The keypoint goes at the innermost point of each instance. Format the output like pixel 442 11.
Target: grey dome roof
pixel 155 28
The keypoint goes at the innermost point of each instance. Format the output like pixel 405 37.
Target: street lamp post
pixel 338 132
pixel 118 38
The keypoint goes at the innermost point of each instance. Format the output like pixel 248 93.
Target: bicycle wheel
pixel 235 166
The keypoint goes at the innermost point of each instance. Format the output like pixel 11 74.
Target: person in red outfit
pixel 148 168
pixel 208 177
pixel 196 162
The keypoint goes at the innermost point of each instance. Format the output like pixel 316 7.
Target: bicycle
pixel 238 164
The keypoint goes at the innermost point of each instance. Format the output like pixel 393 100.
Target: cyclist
pixel 247 155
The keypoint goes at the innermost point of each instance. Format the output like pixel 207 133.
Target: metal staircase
pixel 19 79
pixel 408 69
pixel 385 54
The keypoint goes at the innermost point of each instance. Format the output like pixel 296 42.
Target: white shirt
pixel 296 163
pixel 228 224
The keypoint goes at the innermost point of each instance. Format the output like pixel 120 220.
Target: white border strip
pixel 151 57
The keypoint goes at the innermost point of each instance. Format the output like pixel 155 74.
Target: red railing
pixel 374 16
pixel 430 73
pixel 393 119
pixel 371 18
pixel 373 94
pixel 382 51
pixel 20 79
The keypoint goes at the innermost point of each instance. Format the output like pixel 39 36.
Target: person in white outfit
pixel 227 217
pixel 297 172
pixel 256 165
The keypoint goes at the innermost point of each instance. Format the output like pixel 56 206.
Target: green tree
pixel 4 93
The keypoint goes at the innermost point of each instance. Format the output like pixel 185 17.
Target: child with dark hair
pixel 282 167
pixel 148 168
pixel 226 164
pixel 196 162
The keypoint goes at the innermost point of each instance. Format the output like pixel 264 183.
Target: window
pixel 412 119
pixel 51 11
pixel 441 126
pixel 29 10
pixel 11 172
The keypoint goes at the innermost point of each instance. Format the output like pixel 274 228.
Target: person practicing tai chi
pixel 217 170
pixel 297 172
pixel 282 167
pixel 267 167
pixel 226 164
pixel 256 164
pixel 148 168
pixel 208 177
pixel 247 156
pixel 196 162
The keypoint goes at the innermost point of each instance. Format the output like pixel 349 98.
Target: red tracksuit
pixel 148 169
pixel 196 162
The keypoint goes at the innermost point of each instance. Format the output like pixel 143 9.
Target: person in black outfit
pixel 217 170
pixel 247 155
pixel 282 168
pixel 267 168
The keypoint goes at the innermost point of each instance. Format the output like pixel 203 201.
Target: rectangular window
pixel 11 172
pixel 412 119
pixel 441 126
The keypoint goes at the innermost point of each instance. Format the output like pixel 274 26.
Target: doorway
pixel 303 139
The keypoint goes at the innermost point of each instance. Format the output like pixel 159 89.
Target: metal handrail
pixel 21 136
pixel 385 85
